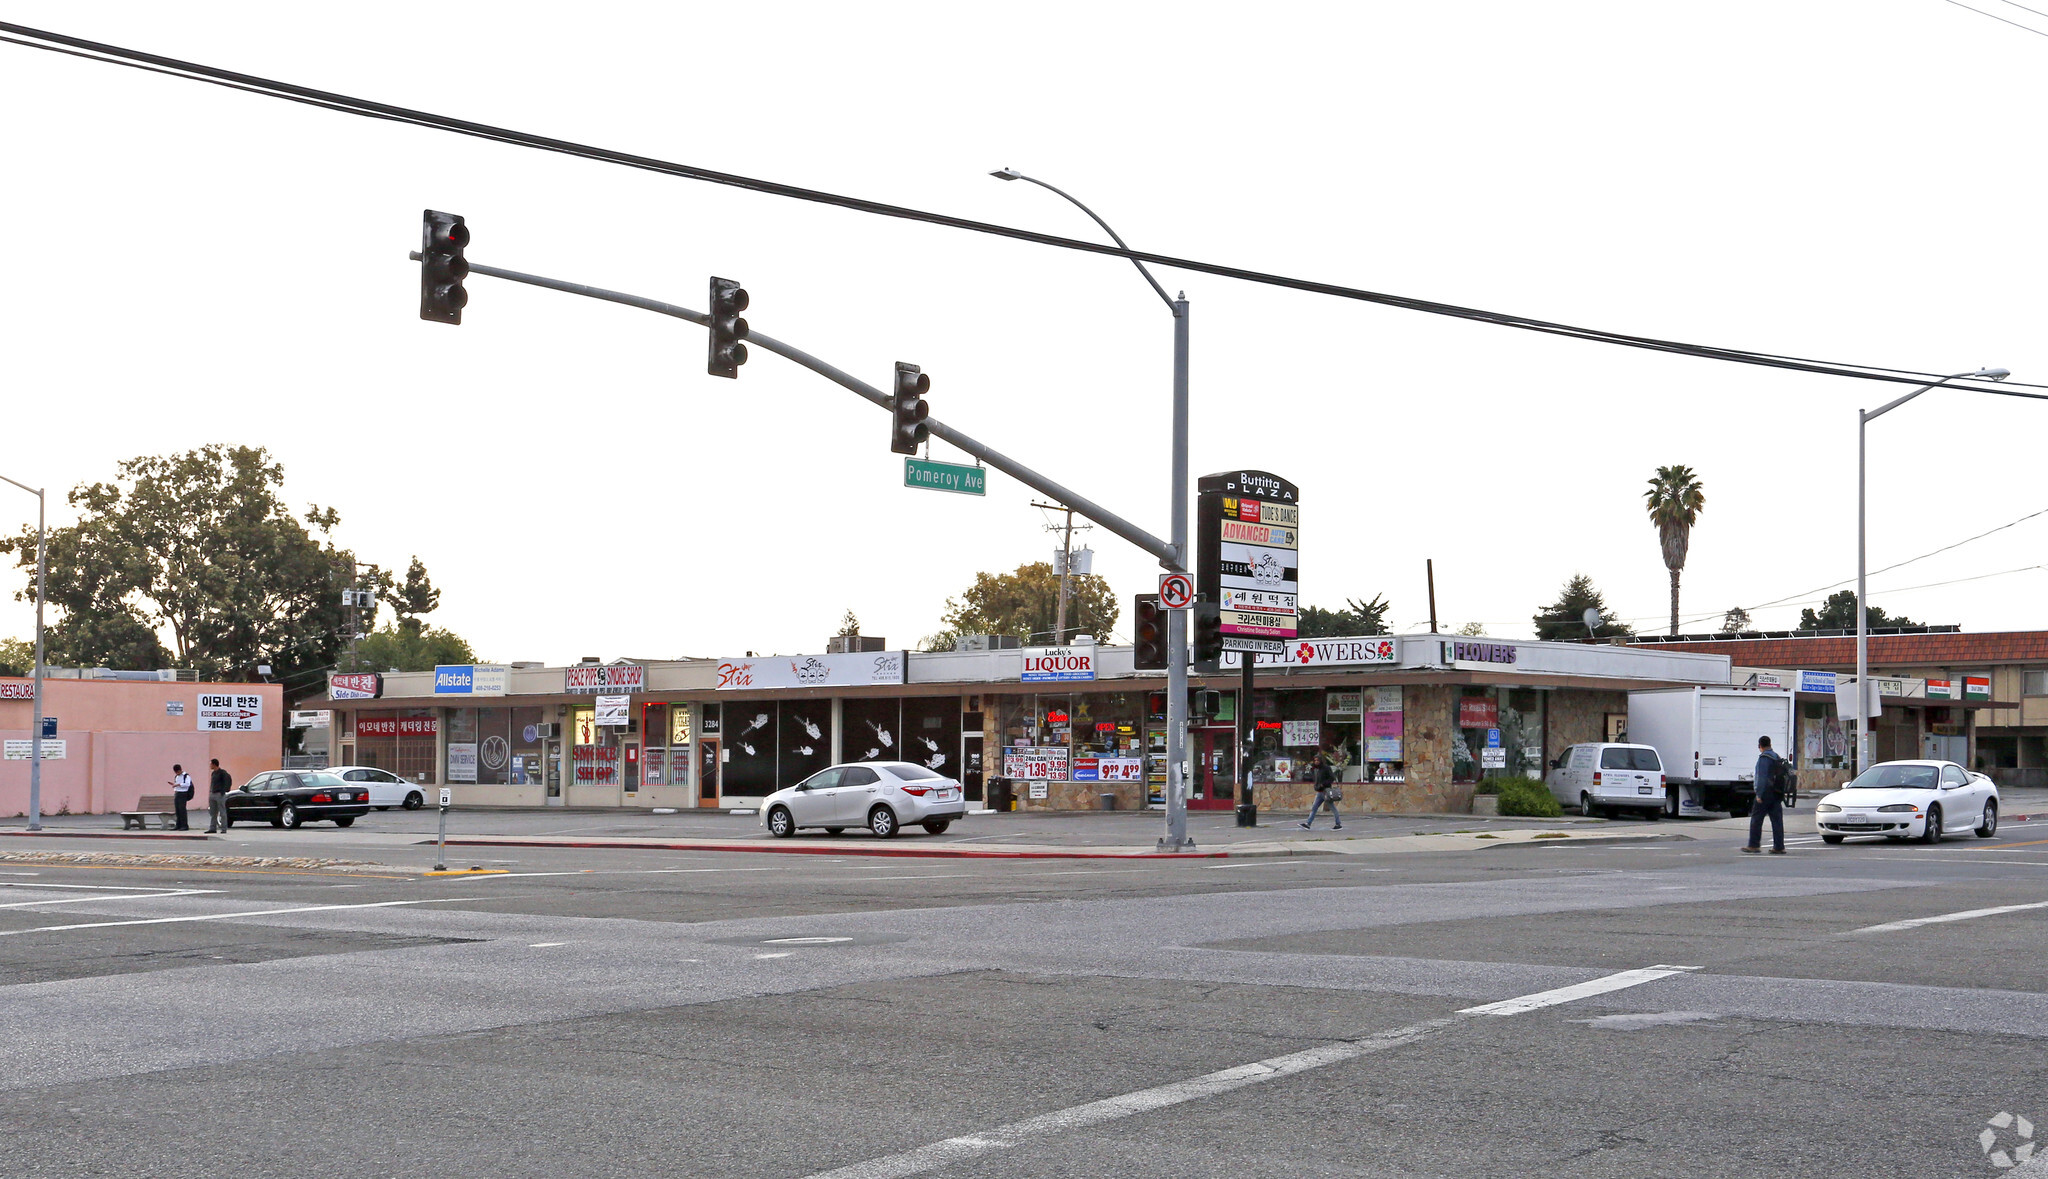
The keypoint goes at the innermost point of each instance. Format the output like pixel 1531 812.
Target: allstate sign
pixel 467 679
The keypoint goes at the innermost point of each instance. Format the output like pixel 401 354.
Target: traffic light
pixel 728 299
pixel 1204 703
pixel 442 267
pixel 1149 633
pixel 908 431
pixel 1207 640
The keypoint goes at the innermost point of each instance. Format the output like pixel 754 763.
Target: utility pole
pixel 1059 626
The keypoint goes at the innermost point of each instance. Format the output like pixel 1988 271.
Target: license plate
pixel 948 795
pixel 1642 790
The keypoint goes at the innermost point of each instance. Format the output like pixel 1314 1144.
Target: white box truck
pixel 1707 740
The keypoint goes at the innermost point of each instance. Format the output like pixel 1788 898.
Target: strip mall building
pixel 1416 721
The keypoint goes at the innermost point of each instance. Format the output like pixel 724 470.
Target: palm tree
pixel 1675 499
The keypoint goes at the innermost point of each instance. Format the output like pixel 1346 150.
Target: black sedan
pixel 287 798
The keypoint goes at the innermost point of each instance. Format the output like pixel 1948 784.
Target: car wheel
pixel 1831 839
pixel 276 822
pixel 1585 804
pixel 1989 827
pixel 1932 832
pixel 288 816
pixel 938 826
pixel 781 824
pixel 415 801
pixel 882 821
pixel 1671 802
pixel 835 830
pixel 345 821
pixel 1654 814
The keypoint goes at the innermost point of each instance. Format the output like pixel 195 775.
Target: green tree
pixel 1566 617
pixel 409 645
pixel 849 625
pixel 1735 621
pixel 1356 618
pixel 417 596
pixel 1839 613
pixel 1471 629
pixel 200 547
pixel 1674 501
pixel 1025 604
pixel 18 656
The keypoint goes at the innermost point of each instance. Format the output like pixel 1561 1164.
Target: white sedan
pixel 387 789
pixel 1921 800
pixel 879 795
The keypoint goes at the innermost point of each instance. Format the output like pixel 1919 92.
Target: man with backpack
pixel 1772 772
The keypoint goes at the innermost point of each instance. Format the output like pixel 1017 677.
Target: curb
pixel 896 852
pixel 159 836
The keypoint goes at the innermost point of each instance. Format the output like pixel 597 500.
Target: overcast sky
pixel 1857 181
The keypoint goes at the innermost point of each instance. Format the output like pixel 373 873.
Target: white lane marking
pixel 1943 918
pixel 545 945
pixel 806 941
pixel 1598 986
pixel 92 887
pixel 680 871
pixel 224 916
pixel 133 896
pixel 967 1147
pixel 783 954
pixel 923 876
pixel 1962 860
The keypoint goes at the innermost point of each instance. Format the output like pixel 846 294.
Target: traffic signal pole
pixel 1176 836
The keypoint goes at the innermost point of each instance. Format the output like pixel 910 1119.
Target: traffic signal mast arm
pixel 1001 462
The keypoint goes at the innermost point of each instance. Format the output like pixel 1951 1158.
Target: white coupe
pixel 1921 800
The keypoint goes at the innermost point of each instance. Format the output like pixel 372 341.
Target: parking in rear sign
pixel 221 712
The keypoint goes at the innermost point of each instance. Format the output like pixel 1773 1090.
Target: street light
pixel 35 733
pixel 1863 420
pixel 1176 836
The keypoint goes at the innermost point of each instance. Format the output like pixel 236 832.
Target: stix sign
pixel 225 713
pixel 1249 557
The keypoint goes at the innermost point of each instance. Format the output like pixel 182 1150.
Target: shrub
pixel 1527 796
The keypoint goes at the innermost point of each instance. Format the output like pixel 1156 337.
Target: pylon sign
pixel 1248 557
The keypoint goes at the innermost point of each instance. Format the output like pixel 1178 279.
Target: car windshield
pixel 1626 758
pixel 1919 777
pixel 320 780
pixel 910 773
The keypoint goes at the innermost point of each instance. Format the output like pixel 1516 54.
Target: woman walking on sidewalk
pixel 1327 794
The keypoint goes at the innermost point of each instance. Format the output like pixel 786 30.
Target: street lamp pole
pixel 1864 745
pixel 35 733
pixel 1176 836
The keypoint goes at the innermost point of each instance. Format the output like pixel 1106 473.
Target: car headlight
pixel 1898 807
pixel 1827 808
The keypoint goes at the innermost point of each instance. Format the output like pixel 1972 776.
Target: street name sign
pixel 958 478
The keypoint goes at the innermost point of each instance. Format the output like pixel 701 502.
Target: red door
pixel 1215 784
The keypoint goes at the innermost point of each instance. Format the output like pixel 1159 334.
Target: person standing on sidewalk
pixel 217 799
pixel 1327 794
pixel 1770 800
pixel 181 794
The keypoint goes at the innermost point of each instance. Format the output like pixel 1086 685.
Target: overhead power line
pixel 154 63
pixel 2002 20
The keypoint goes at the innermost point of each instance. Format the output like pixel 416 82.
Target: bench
pixel 159 806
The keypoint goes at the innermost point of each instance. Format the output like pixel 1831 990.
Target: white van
pixel 1602 779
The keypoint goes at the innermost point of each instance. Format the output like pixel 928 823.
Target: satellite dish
pixel 1592 619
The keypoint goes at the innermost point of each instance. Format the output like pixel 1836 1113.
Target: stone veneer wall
pixel 1577 715
pixel 1081 796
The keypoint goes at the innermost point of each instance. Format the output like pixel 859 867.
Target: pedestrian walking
pixel 181 794
pixel 1327 794
pixel 1771 772
pixel 217 799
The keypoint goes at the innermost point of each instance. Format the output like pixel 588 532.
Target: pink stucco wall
pixel 121 742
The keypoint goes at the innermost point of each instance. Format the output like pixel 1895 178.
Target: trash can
pixel 999 794
pixel 1106 802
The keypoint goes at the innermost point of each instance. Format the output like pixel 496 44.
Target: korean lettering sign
pixel 221 712
pixel 399 726
pixel 1249 546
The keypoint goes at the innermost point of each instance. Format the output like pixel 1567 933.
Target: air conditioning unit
pixel 548 731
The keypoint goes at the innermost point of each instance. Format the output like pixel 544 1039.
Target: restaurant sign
pixel 355 685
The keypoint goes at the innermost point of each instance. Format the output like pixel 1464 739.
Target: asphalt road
pixel 1573 1008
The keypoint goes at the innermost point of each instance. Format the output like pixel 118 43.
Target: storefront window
pixel 873 729
pixel 931 733
pixel 402 741
pixel 1500 734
